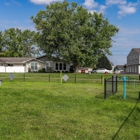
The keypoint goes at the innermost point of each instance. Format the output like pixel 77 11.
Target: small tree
pixel 103 62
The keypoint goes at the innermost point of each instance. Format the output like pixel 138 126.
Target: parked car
pixel 119 71
pixel 101 70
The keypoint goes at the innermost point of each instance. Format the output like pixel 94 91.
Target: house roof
pixel 18 59
pixel 136 49
pixel 15 59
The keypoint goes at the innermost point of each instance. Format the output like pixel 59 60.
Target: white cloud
pixel 15 2
pixel 44 1
pixel 114 2
pixel 102 9
pixel 124 7
pixel 130 8
pixel 125 40
pixel 12 2
pixel 7 4
pixel 90 4
pixel 93 6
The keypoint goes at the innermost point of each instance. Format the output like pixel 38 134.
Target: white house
pixel 21 64
pixel 55 66
pixel 133 61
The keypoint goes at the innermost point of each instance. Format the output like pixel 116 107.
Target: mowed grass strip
pixel 53 111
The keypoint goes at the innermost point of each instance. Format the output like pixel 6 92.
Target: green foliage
pixel 70 32
pixel 1 41
pixel 42 70
pixel 17 43
pixel 2 53
pixel 103 62
pixel 72 68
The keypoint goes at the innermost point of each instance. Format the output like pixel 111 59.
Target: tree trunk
pixel 76 68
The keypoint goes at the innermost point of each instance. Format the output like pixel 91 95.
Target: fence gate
pixel 110 86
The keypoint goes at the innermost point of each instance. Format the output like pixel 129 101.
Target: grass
pixel 55 77
pixel 68 111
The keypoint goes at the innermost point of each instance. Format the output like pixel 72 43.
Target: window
pixel 64 66
pixel 60 66
pixel 130 60
pixel 47 65
pixel 133 59
pixel 56 66
pixel 10 65
pixel 136 58
pixel 34 66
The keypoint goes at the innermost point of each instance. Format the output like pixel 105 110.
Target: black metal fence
pixel 110 86
pixel 53 77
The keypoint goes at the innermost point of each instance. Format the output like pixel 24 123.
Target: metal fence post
pixel 75 77
pixel 112 84
pixel 101 79
pixel 49 77
pixel 116 83
pixel 104 88
pixel 24 76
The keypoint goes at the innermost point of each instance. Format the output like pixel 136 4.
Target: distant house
pixel 133 61
pixel 21 64
pixel 120 69
pixel 55 66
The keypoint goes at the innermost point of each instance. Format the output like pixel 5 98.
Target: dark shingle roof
pixel 14 59
pixel 136 49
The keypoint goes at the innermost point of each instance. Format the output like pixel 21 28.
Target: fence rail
pixel 53 77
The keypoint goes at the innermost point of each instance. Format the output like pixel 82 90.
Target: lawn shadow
pixel 100 96
pixel 125 120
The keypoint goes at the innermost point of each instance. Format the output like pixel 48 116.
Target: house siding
pixel 12 69
pixel 28 65
pixel 24 64
pixel 133 61
pixel 53 64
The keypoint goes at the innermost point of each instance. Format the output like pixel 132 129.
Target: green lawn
pixel 68 111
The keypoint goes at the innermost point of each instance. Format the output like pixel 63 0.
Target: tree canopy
pixel 1 44
pixel 71 33
pixel 17 43
pixel 103 62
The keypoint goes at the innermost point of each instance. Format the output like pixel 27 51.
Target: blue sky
pixel 125 14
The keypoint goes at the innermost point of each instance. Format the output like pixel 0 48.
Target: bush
pixel 42 70
pixel 29 70
pixel 72 68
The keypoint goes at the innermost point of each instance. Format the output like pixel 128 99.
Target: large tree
pixel 29 44
pixel 2 53
pixel 18 43
pixel 70 32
